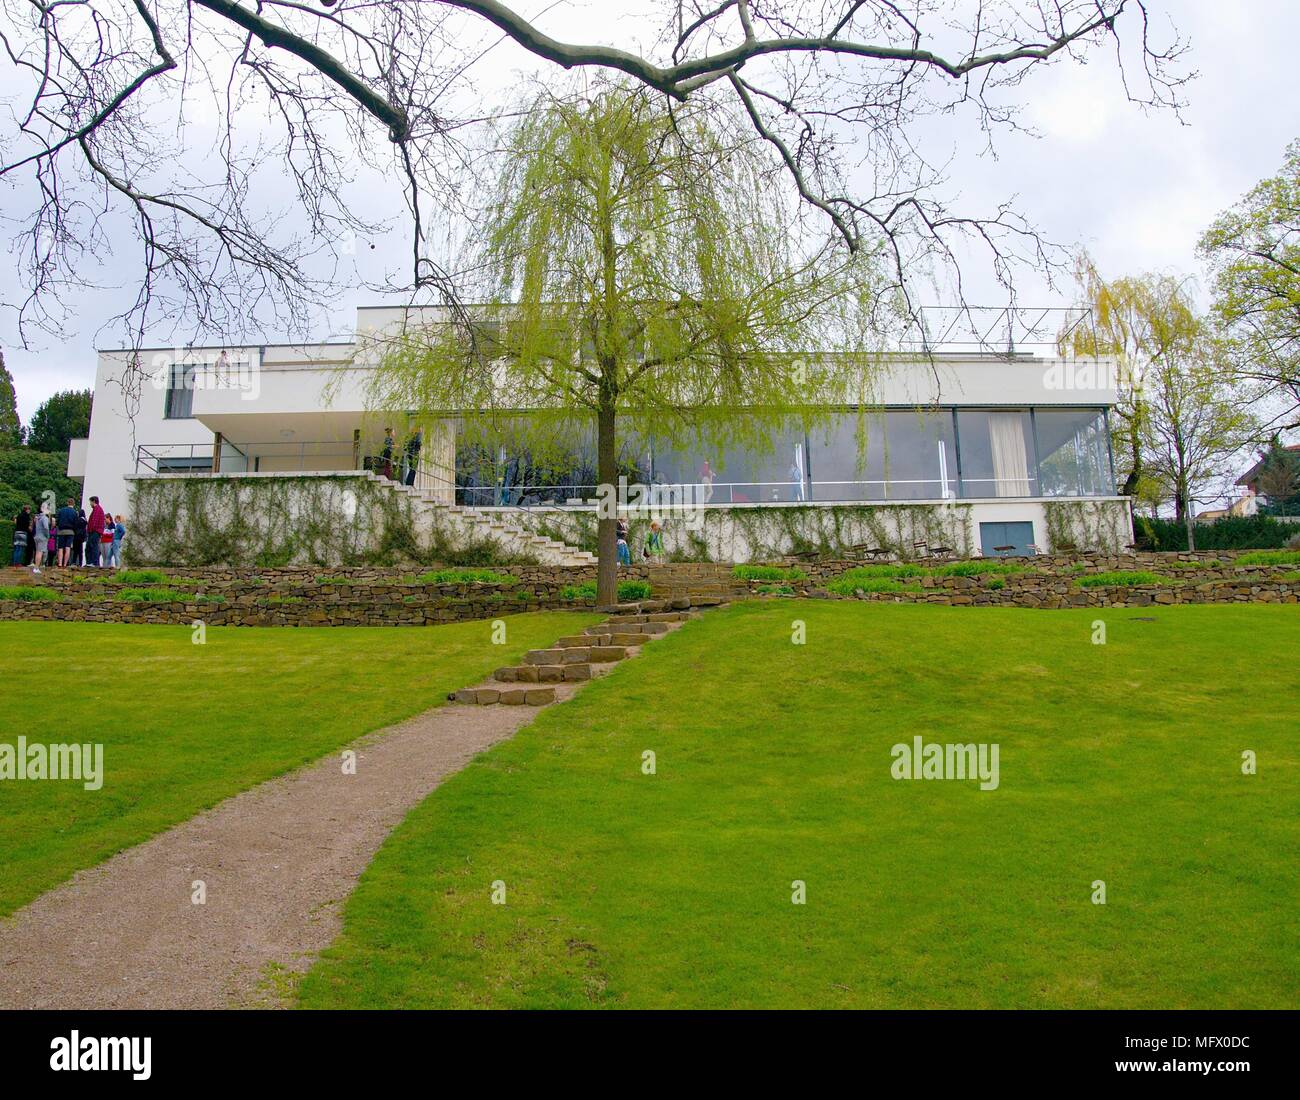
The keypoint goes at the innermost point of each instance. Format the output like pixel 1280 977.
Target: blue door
pixel 1018 536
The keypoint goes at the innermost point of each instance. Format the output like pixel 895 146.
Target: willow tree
pixel 646 268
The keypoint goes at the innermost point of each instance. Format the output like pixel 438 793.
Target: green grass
pixel 767 573
pixel 152 595
pixel 466 576
pixel 1119 762
pixel 30 592
pixel 185 726
pixel 843 586
pixel 1289 578
pixel 977 569
pixel 627 590
pixel 1125 578
pixel 1270 557
pixel 139 577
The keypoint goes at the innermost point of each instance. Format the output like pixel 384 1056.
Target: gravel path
pixel 278 861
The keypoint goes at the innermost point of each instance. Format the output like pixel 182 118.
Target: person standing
pixel 386 456
pixel 40 538
pixel 66 522
pixel 106 541
pixel 413 454
pixel 79 538
pixel 119 533
pixel 654 544
pixel 621 543
pixel 22 535
pixel 706 481
pixel 94 532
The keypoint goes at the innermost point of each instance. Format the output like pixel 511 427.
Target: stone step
pixel 603 654
pixel 578 641
pixel 543 674
pixel 485 697
pixel 556 656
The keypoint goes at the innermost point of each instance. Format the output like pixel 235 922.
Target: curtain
pixel 1010 470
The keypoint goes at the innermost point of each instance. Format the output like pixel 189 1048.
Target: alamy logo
pixel 82 762
pixel 934 761
pixel 76 1051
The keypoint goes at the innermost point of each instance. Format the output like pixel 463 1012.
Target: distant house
pixel 1250 478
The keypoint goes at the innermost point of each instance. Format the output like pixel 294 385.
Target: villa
pixel 271 454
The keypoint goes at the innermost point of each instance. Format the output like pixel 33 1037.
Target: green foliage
pixel 466 576
pixel 26 475
pixel 848 585
pixel 876 572
pixel 645 271
pixel 140 577
pixel 61 418
pixel 767 573
pixel 277 601
pixel 273 522
pixel 1125 578
pixel 1228 533
pixel 11 429
pixel 29 592
pixel 1254 254
pixel 977 569
pixel 1270 557
pixel 996 585
pixel 627 591
pixel 152 595
pixel 774 590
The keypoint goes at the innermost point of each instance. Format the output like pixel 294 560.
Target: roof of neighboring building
pixel 1256 469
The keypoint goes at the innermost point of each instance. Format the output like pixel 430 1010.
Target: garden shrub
pixel 1127 578
pixel 140 577
pixel 29 592
pixel 767 573
pixel 466 576
pixel 844 586
pixel 1270 557
pixel 627 590
pixel 152 595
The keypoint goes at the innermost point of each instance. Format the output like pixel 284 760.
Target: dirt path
pixel 278 862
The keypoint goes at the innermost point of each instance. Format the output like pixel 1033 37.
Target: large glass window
pixel 920 460
pixel 180 392
pixel 1073 452
pixel 847 457
pixel 997 453
pixel 739 475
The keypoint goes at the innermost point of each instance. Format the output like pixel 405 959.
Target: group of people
pixel 68 537
pixel 653 550
pixel 410 452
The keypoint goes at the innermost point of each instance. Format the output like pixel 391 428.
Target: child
pixel 624 553
pixel 654 543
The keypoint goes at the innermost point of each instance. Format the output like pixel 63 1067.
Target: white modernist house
pixel 986 453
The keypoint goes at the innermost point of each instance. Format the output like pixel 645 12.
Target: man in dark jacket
pixel 66 524
pixel 79 538
pixel 94 530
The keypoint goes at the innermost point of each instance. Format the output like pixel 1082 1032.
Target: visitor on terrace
pixel 624 551
pixel 22 535
pixel 654 543
pixel 66 521
pixel 40 538
pixel 94 532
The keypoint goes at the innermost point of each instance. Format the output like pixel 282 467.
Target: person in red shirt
pixel 94 532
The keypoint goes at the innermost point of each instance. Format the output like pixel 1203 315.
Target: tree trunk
pixel 606 527
pixel 1191 526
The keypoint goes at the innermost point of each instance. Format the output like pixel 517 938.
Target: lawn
pixel 185 726
pixel 1119 762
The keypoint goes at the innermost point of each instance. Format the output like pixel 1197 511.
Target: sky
pixel 1135 187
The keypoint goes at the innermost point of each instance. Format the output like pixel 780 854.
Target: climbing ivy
pixel 280 521
pixel 1087 524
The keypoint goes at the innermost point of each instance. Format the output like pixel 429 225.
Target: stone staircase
pixel 544 673
pixel 473 524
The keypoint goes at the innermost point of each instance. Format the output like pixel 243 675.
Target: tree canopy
pixel 1254 253
pixel 59 419
pixel 104 128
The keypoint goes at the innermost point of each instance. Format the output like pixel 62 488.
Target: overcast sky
pixel 1135 188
